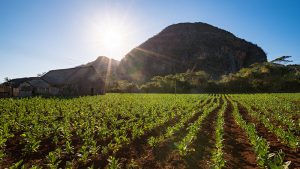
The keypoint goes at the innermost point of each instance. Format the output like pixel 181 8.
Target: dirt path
pixel 238 152
pixel 275 144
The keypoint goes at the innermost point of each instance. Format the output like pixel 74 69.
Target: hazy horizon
pixel 37 36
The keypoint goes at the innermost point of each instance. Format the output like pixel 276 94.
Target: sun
pixel 112 37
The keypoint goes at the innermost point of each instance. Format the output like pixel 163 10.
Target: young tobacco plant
pixel 260 145
pixel 53 159
pixel 217 154
pixel 69 148
pixel 113 163
pixel 17 165
pixel 32 143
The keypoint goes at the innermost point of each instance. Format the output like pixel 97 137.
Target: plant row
pixel 265 158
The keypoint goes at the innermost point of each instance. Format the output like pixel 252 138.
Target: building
pixel 78 81
pixel 36 87
pixel 11 88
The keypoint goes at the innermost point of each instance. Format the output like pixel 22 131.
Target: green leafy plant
pixel 276 161
pixel 261 146
pixel 113 163
pixel 69 148
pixel 32 143
pixel 53 160
pixel 217 154
pixel 17 165
pixel 132 165
pixel 152 141
pixel 116 121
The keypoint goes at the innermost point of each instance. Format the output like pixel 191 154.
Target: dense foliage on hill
pixel 259 77
pixel 267 77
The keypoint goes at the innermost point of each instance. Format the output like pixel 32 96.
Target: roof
pixel 38 82
pixel 16 82
pixel 65 76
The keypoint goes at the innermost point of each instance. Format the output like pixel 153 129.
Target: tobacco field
pixel 151 131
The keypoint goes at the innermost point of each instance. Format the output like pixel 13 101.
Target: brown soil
pixel 238 152
pixel 275 144
pixel 14 151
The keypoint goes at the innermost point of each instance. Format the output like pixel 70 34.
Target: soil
pixel 238 152
pixel 274 142
pixel 14 151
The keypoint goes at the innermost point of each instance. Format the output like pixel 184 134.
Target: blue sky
pixel 37 36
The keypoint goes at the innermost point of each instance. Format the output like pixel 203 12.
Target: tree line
pixel 259 77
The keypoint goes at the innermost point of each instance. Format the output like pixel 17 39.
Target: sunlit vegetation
pixel 259 77
pixel 217 157
pixel 126 130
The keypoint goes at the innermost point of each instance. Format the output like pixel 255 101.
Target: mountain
pixel 101 67
pixel 104 66
pixel 189 47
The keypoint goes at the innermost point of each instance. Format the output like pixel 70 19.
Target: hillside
pixel 103 65
pixel 98 67
pixel 259 77
pixel 189 46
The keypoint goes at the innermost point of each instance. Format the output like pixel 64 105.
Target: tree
pixel 282 59
pixel 6 79
pixel 124 86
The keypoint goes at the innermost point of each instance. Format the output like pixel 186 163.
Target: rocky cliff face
pixel 189 46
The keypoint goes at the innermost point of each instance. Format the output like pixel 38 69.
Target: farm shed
pixel 15 85
pixel 76 81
